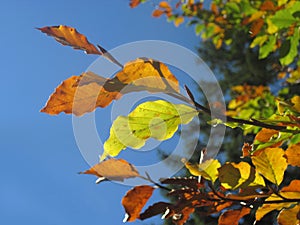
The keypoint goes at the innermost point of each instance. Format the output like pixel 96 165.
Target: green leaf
pixel 157 119
pixel 284 18
pixel 207 169
pixel 289 49
pixel 199 28
pixel 267 48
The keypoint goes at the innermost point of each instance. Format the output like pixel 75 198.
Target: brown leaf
pixel 113 169
pixel 183 216
pixel 70 36
pixel 134 201
pixel 293 155
pixel 191 182
pixel 232 217
pixel 155 209
pixel 267 6
pixel 265 134
pixel 256 27
pixel 84 93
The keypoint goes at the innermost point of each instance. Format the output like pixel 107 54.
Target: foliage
pixel 258 184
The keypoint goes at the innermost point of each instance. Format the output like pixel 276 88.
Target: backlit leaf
pixel 271 163
pixel 70 36
pixel 293 155
pixel 157 119
pixel 113 169
pixel 207 169
pixel 232 217
pixel 134 201
pixel 292 49
pixel 84 93
pixel 239 175
pixel 289 216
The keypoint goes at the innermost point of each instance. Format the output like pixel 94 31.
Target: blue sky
pixel 39 157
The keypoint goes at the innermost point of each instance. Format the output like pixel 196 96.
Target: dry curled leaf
pixel 70 36
pixel 113 169
pixel 134 201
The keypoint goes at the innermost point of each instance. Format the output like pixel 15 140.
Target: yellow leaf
pixel 179 20
pixel 271 163
pixel 239 175
pixel 272 28
pixel 296 101
pixel 207 169
pixel 282 2
pixel 158 119
pixel 289 216
pixel 257 15
pixel 259 40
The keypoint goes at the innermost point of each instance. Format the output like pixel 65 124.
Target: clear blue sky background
pixel 39 157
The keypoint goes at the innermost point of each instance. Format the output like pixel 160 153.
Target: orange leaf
pixel 183 216
pixel 84 93
pixel 293 154
pixel 214 8
pixel 294 186
pixel 157 13
pixel 134 3
pixel 69 98
pixel 113 169
pixel 164 4
pixel 256 27
pixel 134 201
pixel 232 217
pixel 289 216
pixel 70 36
pixel 179 20
pixel 264 135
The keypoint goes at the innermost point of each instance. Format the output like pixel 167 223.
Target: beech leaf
pixel 289 216
pixel 134 201
pixel 293 155
pixel 113 169
pixel 71 37
pixel 232 217
pixel 84 93
pixel 271 163
pixel 207 169
pixel 239 175
pixel 157 119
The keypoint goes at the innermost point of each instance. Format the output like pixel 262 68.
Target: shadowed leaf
pixel 293 154
pixel 239 175
pixel 158 119
pixel 155 209
pixel 232 217
pixel 113 169
pixel 289 216
pixel 134 201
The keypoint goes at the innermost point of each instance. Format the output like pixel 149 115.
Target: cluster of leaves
pixel 272 25
pixel 231 191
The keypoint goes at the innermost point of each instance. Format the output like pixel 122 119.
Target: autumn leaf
pixel 70 36
pixel 155 209
pixel 134 201
pixel 158 119
pixel 191 182
pixel 181 217
pixel 292 191
pixel 157 13
pixel 271 163
pixel 113 169
pixel 239 175
pixel 289 216
pixel 84 93
pixel 293 154
pixel 207 169
pixel 232 217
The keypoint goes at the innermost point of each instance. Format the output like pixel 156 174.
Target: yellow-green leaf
pixel 271 163
pixel 207 169
pixel 154 119
pixel 239 175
